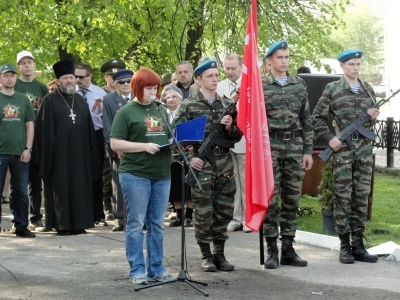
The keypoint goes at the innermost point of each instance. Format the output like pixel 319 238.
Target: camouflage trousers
pixel 352 184
pixel 287 160
pixel 213 206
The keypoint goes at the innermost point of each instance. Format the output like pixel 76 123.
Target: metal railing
pixel 387 136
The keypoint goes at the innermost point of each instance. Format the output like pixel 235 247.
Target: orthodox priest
pixel 69 159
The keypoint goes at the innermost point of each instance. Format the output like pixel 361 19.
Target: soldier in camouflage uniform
pixel 344 100
pixel 291 137
pixel 214 205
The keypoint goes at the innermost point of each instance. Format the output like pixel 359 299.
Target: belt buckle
pixel 286 136
pixel 354 136
pixel 217 151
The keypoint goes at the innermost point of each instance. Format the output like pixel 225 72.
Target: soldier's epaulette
pixel 367 85
pixel 331 86
pixel 333 83
pixel 299 78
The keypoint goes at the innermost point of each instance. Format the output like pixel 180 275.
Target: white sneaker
pixel 163 278
pixel 246 229
pixel 234 227
pixel 141 280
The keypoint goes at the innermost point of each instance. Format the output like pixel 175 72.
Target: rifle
pixel 356 126
pixel 206 150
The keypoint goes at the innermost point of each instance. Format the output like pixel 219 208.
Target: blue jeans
pixel 146 203
pixel 19 178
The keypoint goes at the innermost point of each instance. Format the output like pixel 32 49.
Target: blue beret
pixel 123 73
pixel 276 46
pixel 205 66
pixel 349 54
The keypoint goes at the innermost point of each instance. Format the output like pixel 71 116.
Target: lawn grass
pixel 385 212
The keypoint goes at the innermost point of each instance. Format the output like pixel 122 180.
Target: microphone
pixel 157 102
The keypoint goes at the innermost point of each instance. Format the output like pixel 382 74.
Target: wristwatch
pixel 28 148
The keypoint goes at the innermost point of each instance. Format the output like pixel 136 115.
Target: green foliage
pixel 158 34
pixel 326 198
pixel 364 31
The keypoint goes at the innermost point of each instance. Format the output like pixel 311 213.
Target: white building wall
pixel 392 57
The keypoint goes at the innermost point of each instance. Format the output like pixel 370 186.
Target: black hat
pixel 64 67
pixel 111 66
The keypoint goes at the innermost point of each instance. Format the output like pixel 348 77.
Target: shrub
pixel 325 188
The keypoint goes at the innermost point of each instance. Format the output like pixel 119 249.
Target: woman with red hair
pixel 144 173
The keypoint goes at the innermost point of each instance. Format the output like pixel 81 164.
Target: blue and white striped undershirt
pixel 355 88
pixel 282 81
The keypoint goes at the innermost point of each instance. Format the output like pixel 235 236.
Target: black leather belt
pixel 219 150
pixel 285 135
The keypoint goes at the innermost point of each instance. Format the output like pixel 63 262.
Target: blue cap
pixel 276 46
pixel 209 64
pixel 121 74
pixel 349 54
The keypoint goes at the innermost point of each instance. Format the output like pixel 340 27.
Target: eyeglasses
pixel 123 81
pixel 81 77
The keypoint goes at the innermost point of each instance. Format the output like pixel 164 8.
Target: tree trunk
pixel 63 54
pixel 195 33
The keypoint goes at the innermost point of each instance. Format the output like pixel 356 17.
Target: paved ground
pixel 93 266
pixel 381 158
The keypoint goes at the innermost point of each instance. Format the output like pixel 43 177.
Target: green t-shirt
pixel 143 124
pixel 34 90
pixel 17 110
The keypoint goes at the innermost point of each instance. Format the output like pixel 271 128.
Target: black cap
pixel 64 67
pixel 111 66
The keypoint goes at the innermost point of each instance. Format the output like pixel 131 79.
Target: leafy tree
pixel 158 34
pixel 364 31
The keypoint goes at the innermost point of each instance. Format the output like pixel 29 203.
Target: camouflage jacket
pixel 287 108
pixel 197 106
pixel 339 101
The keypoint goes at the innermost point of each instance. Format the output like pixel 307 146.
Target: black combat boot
pixel 345 256
pixel 272 261
pixel 288 256
pixel 219 257
pixel 207 263
pixel 359 251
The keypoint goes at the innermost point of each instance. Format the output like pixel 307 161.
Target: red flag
pixel 252 121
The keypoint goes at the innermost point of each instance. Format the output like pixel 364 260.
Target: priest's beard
pixel 69 89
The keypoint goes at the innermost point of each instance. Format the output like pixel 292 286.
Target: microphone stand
pixel 183 274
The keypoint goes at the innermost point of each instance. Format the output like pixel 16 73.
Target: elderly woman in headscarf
pixel 172 97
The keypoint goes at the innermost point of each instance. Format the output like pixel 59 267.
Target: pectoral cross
pixel 72 115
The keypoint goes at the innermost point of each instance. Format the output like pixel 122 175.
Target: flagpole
pixel 261 236
pixel 261 231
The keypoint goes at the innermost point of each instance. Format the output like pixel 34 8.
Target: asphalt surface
pixel 381 158
pixel 93 266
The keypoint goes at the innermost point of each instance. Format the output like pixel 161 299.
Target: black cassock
pixel 69 161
